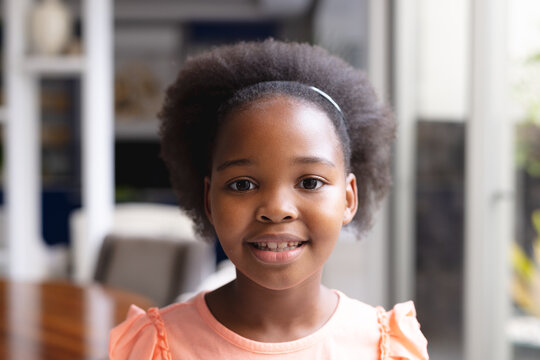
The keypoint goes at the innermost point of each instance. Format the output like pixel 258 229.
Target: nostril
pixel 277 218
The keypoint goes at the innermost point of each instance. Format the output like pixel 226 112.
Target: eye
pixel 311 184
pixel 242 185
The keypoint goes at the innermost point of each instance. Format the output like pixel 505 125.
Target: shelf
pixel 209 10
pixel 136 130
pixel 54 66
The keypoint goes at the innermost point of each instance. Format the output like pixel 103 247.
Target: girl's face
pixel 278 194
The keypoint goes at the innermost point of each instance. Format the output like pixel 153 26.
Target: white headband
pixel 327 97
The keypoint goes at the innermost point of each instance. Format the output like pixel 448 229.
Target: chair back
pixel 159 269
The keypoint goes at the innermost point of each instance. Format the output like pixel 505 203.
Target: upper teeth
pixel 278 246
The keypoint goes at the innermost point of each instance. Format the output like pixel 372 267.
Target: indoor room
pixel 91 220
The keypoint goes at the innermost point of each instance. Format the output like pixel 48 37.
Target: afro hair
pixel 209 83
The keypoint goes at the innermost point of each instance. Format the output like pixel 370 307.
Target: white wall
pixel 357 268
pixel 443 59
pixel 341 27
pixel 523 42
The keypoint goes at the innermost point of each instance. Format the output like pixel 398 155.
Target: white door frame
pixel 404 65
pixel 489 187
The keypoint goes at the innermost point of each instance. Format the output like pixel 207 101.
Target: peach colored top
pixel 187 331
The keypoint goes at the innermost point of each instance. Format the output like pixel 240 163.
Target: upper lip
pixel 275 238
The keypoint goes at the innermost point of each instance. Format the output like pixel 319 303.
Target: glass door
pixel 524 74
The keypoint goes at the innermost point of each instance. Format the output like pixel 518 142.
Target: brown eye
pixel 311 184
pixel 242 185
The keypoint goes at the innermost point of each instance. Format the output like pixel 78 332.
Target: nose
pixel 276 206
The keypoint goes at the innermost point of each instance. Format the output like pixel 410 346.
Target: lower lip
pixel 277 257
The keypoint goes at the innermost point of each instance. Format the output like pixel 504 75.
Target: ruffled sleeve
pixel 141 336
pixel 401 337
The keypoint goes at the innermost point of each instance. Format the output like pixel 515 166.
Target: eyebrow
pixel 298 160
pixel 313 160
pixel 237 162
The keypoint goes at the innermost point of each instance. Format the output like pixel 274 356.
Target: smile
pixel 277 246
pixel 277 249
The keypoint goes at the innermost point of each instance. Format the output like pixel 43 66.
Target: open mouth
pixel 278 246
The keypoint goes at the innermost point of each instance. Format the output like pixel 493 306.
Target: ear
pixel 207 207
pixel 351 198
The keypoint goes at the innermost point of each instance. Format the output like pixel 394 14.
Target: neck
pixel 269 315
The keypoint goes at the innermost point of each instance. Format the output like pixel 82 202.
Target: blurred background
pixel 82 81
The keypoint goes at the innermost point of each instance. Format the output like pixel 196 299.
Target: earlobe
pixel 207 207
pixel 351 199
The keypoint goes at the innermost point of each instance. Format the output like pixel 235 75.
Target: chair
pixel 151 249
pixel 138 219
pixel 159 269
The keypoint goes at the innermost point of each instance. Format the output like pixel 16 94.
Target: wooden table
pixel 59 320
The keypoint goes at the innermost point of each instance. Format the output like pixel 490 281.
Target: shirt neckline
pixel 264 347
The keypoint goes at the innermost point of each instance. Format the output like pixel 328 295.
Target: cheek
pixel 325 217
pixel 228 214
pixel 331 205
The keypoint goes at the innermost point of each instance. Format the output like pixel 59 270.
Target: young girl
pixel 273 147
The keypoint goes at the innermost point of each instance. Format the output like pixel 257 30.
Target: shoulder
pixel 400 333
pixel 396 332
pixel 144 334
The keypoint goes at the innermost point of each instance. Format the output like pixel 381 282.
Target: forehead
pixel 277 127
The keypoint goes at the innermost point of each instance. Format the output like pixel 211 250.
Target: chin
pixel 281 283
